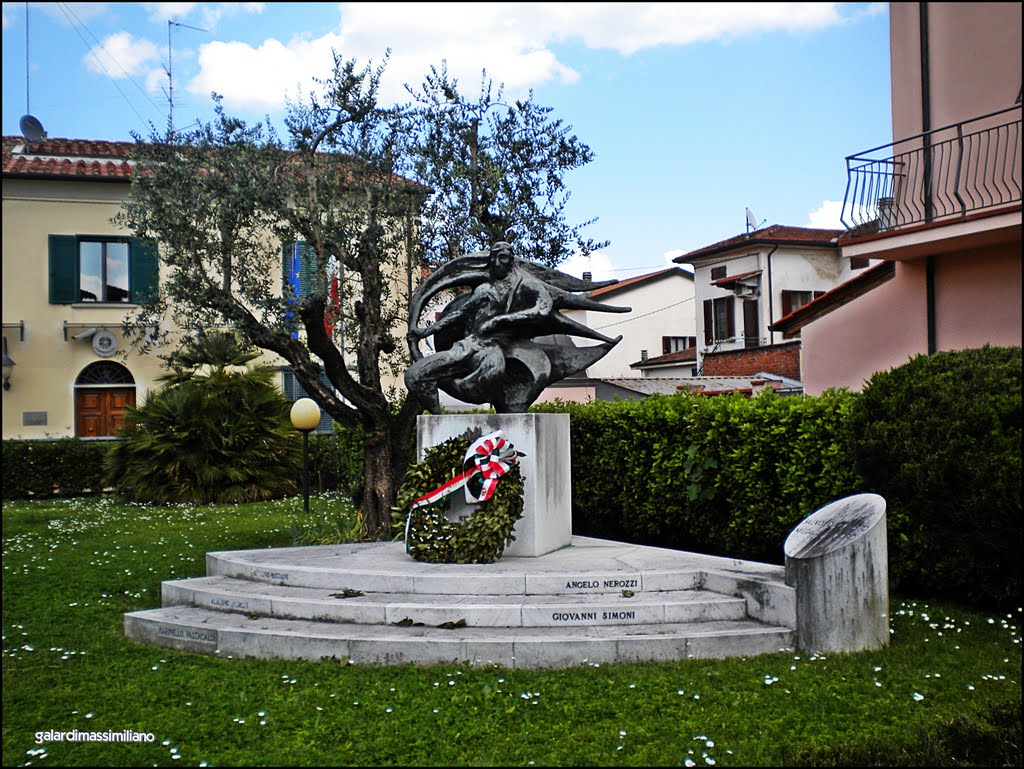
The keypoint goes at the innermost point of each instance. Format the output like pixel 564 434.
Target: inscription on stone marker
pixel 834 526
pixel 604 584
pixel 228 603
pixel 266 574
pixel 592 616
pixel 188 634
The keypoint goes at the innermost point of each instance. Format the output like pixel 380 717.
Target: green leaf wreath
pixel 479 538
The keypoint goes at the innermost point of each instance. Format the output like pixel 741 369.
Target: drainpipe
pixel 771 294
pixel 926 126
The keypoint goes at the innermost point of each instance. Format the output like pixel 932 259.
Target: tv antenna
pixel 752 221
pixel 170 74
pixel 30 127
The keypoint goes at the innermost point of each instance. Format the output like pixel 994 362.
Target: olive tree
pixel 374 195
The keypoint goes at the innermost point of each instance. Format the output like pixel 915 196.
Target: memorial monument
pixel 460 590
pixel 500 342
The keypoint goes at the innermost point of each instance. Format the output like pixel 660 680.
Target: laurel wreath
pixel 480 537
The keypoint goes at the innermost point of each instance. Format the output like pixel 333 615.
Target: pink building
pixel 941 205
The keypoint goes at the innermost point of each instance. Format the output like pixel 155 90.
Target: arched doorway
pixel 103 391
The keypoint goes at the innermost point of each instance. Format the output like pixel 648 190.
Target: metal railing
pixel 943 174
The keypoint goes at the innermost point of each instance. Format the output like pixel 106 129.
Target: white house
pixel 747 282
pixel 662 320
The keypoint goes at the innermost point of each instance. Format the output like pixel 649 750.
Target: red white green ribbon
pixel 487 459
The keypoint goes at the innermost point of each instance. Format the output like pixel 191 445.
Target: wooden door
pixel 100 411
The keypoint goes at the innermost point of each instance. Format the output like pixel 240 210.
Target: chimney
pixel 588 276
pixel 643 355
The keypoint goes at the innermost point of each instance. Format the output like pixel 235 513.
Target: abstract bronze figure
pixel 496 343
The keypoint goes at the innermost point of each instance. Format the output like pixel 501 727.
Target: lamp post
pixel 305 416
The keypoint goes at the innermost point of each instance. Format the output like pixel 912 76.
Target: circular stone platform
pixel 593 601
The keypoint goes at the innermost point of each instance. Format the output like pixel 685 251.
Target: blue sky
pixel 695 111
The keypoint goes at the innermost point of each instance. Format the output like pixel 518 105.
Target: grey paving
pixel 591 602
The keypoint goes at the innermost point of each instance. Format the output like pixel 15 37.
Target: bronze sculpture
pixel 494 343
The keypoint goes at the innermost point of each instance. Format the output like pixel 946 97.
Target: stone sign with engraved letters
pixel 837 560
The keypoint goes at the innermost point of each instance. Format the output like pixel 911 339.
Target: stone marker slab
pixel 546 524
pixel 837 562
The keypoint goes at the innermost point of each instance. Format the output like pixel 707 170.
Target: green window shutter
pixel 63 269
pixel 307 275
pixel 304 264
pixel 144 270
pixel 286 267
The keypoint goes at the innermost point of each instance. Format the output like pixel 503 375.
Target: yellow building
pixel 70 280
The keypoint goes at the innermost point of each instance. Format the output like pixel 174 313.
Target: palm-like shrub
pixel 216 431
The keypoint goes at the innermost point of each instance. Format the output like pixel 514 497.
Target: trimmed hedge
pixel 59 468
pixel 724 475
pixel 940 438
pixel 69 467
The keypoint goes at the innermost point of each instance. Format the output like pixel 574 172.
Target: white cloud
pixel 163 12
pixel 668 256
pixel 826 216
pixel 121 55
pixel 261 78
pixel 598 264
pixel 630 27
pixel 205 15
pixel 513 42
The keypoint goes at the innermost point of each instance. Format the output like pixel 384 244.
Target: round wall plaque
pixel 104 344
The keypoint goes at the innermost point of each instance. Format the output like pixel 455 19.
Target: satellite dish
pixel 104 344
pixel 751 220
pixel 31 128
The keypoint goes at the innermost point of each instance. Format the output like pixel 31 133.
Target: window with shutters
pixel 792 300
pixel 717 273
pixel 293 390
pixel 100 269
pixel 719 320
pixel 671 344
pixel 300 280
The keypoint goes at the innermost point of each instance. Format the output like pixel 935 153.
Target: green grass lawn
pixel 947 691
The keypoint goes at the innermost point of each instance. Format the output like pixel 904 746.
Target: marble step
pixel 371 568
pixel 228 634
pixel 533 610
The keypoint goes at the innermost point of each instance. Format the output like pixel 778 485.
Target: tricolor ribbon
pixel 487 459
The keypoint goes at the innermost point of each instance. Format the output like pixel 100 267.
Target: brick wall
pixel 779 359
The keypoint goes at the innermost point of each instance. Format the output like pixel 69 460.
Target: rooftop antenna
pixel 170 74
pixel 30 127
pixel 752 221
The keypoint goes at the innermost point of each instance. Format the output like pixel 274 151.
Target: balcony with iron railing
pixel 943 175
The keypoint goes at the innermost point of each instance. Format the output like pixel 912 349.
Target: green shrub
pixel 940 438
pixel 724 475
pixel 59 468
pixel 336 461
pixel 215 432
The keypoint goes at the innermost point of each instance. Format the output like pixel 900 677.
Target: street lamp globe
pixel 305 414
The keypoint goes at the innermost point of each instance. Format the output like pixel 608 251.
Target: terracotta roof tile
pixel 773 234
pixel 72 158
pixel 835 298
pixel 680 356
pixel 627 282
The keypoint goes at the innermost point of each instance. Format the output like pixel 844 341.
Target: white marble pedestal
pixel 546 524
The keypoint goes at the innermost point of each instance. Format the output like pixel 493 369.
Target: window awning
pixel 730 281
